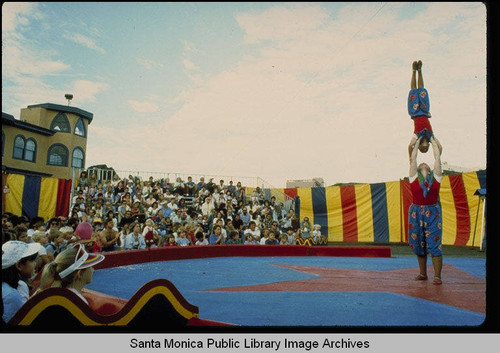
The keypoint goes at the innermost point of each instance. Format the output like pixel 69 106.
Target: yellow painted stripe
pixel 364 213
pixel 14 198
pixel 85 320
pixel 306 206
pixel 471 184
pixel 60 301
pixel 48 198
pixel 449 212
pixel 146 297
pixel 334 207
pixel 393 195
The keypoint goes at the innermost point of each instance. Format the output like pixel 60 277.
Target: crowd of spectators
pixel 132 213
pixel 127 214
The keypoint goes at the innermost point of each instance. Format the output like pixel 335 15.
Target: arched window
pixel 30 150
pixel 80 128
pixel 60 123
pixel 77 158
pixel 19 144
pixel 58 155
pixel 24 149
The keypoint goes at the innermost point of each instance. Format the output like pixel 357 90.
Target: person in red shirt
pixel 425 216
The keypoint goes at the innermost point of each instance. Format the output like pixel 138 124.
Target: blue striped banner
pixel 320 210
pixel 31 195
pixel 380 214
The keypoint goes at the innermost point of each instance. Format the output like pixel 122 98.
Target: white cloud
pixel 15 14
pixel 323 98
pixel 87 91
pixel 85 41
pixel 149 64
pixel 143 107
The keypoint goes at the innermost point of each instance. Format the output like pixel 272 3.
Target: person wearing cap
pixel 72 269
pixel 18 265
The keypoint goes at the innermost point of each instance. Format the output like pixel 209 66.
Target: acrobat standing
pixel 425 215
pixel 419 111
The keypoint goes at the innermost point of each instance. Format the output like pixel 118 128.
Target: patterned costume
pixel 419 110
pixel 424 220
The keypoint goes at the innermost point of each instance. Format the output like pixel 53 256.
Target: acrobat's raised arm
pixel 413 158
pixel 438 171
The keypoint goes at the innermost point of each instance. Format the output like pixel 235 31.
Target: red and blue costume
pixel 419 110
pixel 425 217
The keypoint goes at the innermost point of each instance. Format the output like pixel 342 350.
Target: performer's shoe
pixel 419 65
pixel 421 277
pixel 437 281
pixel 414 65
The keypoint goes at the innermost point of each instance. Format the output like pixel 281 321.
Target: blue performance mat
pixel 315 291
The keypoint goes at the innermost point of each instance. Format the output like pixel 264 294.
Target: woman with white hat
pixel 18 265
pixel 72 269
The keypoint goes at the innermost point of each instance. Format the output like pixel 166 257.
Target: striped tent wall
pixel 379 212
pixel 354 213
pixel 32 196
pixel 461 209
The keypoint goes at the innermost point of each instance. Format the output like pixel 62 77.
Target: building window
pixel 18 147
pixel 60 123
pixel 3 141
pixel 30 150
pixel 58 155
pixel 77 160
pixel 80 128
pixel 24 149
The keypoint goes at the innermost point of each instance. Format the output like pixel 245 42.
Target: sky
pixel 280 91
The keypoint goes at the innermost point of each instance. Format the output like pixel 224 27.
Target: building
pixel 306 183
pixel 102 172
pixel 47 140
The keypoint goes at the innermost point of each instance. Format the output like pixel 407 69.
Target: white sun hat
pixel 14 250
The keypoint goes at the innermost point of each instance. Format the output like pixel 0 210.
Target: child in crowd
pixel 69 237
pixel 265 236
pixel 18 266
pixel 152 239
pixel 271 240
pixel 94 244
pixel 200 239
pixel 316 234
pixel 283 239
pixel 41 238
pixel 234 238
pixel 170 241
pixel 290 236
pixel 249 240
pixel 182 240
pixel 55 239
